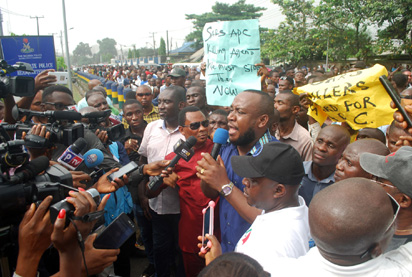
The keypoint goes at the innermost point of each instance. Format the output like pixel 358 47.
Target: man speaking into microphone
pixel 192 122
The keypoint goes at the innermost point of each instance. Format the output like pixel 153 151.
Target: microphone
pixel 71 157
pixel 220 137
pixel 182 150
pixel 29 171
pixel 57 115
pixel 92 159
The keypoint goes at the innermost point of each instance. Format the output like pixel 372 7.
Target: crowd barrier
pixel 113 89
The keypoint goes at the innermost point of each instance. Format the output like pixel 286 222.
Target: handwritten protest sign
pixel 357 98
pixel 232 48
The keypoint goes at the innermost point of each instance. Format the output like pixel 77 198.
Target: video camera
pixel 61 127
pixel 95 119
pixel 17 85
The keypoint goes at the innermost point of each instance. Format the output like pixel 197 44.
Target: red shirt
pixel 192 200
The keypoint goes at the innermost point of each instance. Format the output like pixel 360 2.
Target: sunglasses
pixel 283 78
pixel 144 94
pixel 196 125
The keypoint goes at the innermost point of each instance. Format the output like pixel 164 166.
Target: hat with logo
pixel 395 167
pixel 177 72
pixel 277 161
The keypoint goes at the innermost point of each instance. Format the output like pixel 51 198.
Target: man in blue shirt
pixel 251 115
pixel 327 150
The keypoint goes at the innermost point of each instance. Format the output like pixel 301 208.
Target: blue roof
pixel 188 47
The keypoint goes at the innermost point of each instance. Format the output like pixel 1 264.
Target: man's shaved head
pixel 349 217
pixel 349 164
pixel 265 104
pixel 93 83
pixel 373 133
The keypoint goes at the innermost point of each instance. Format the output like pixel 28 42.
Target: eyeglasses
pixel 196 125
pixel 396 208
pixel 283 78
pixel 58 106
pixel 144 94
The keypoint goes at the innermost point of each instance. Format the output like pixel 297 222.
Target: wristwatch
pixel 227 189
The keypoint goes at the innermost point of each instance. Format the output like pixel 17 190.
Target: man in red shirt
pixel 192 122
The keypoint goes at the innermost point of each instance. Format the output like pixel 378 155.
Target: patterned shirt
pixel 153 115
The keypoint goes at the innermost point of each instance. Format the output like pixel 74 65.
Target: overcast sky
pixel 127 21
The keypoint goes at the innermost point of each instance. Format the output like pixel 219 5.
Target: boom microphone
pixel 220 137
pixel 182 150
pixel 31 170
pixel 71 157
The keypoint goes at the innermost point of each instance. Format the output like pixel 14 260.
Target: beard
pixel 245 139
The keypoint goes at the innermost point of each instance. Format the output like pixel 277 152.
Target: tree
pixel 296 38
pixel 130 54
pixel 162 47
pixel 135 52
pixel 397 16
pixel 61 65
pixel 221 12
pixel 107 49
pixel 82 54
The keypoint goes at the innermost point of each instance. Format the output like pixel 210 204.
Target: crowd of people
pixel 292 196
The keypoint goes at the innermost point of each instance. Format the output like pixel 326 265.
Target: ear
pixel 295 109
pixel 182 105
pixel 263 121
pixel 404 201
pixel 279 191
pixel 375 251
pixel 181 130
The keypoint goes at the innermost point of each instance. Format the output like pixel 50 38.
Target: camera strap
pixel 35 141
pixel 90 216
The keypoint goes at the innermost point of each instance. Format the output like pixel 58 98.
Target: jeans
pixel 146 231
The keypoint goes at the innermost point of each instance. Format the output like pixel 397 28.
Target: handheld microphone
pixel 92 159
pixel 220 137
pixel 31 170
pixel 182 150
pixel 71 157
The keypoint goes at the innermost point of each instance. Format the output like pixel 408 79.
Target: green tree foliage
pixel 162 47
pixel 61 65
pixel 130 54
pixel 223 12
pixel 107 49
pixel 135 51
pixel 82 55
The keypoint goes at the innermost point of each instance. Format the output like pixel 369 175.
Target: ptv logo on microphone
pixel 70 159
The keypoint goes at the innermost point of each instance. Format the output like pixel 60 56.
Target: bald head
pixel 349 217
pixel 349 164
pixel 373 133
pixel 93 83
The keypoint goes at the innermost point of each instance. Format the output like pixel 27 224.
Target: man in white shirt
pixel 271 177
pixel 351 223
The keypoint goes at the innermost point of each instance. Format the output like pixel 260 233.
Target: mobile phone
pixel 115 234
pixel 123 170
pixel 395 98
pixel 62 77
pixel 208 225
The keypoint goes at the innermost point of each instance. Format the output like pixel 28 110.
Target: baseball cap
pixel 395 167
pixel 177 72
pixel 277 161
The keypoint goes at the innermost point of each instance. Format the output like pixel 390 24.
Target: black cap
pixel 277 161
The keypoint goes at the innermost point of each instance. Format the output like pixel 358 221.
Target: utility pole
pixel 61 42
pixel 154 45
pixel 69 69
pixel 167 43
pixel 37 19
pixel 1 23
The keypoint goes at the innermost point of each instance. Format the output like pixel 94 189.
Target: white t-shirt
pixel 282 233
pixel 396 263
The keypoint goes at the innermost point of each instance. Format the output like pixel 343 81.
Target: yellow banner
pixel 357 98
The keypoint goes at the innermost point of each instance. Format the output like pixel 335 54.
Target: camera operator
pixel 36 233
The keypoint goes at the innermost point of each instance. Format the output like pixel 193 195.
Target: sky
pixel 127 21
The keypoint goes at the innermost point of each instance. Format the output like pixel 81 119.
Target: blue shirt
pixel 311 185
pixel 232 225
